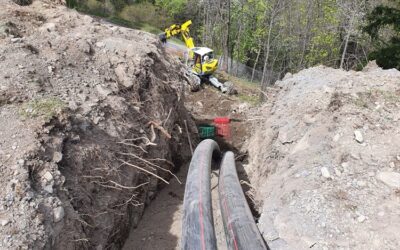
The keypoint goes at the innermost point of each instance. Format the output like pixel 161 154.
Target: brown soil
pixel 79 100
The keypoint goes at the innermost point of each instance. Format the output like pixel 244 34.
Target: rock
pixel 359 136
pixel 4 222
pixel 103 91
pixel 325 173
pixel 284 137
pixel 361 218
pixel 16 40
pixel 96 120
pixel 48 176
pixel 120 72
pixel 392 179
pixel 48 189
pixel 48 27
pixel 337 172
pixel 309 119
pixel 84 46
pixel 73 106
pixel 57 157
pixel 58 213
pixel 21 162
pixel 392 165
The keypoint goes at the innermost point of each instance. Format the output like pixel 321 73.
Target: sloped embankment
pixel 325 160
pixel 86 109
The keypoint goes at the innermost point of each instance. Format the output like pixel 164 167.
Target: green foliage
pixel 387 53
pixel 72 4
pixel 173 7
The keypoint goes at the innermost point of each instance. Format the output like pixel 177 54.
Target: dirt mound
pixel 325 160
pixel 92 123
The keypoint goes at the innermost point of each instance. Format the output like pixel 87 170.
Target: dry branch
pixel 159 127
pixel 144 170
pixel 152 164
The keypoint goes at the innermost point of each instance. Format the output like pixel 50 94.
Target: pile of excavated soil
pixel 325 160
pixel 92 122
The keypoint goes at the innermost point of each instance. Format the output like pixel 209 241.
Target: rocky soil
pixel 325 160
pixel 91 125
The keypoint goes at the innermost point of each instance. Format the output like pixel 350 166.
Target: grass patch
pixel 368 99
pixel 42 107
pixel 250 99
pixel 237 81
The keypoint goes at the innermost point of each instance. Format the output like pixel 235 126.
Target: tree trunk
pixel 346 43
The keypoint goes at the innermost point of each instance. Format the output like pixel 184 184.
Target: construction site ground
pixel 94 124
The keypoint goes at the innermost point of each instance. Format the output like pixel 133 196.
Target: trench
pixel 160 226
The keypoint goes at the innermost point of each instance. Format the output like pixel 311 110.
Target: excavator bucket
pixel 163 37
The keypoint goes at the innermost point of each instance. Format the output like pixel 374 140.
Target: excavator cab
pixel 204 62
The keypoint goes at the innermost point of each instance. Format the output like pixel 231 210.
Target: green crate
pixel 206 131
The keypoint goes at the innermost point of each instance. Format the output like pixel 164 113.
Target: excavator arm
pixel 182 30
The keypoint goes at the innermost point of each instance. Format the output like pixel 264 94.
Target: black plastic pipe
pixel 197 223
pixel 240 228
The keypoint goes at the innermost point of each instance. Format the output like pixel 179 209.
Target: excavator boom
pixel 183 30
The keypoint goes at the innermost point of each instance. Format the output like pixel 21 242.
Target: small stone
pixel 4 222
pixel 48 176
pixel 96 120
pixel 309 119
pixel 58 214
pixel 50 69
pixel 359 136
pixel 336 138
pixel 73 106
pixel 16 40
pixel 345 166
pixel 14 147
pixel 392 165
pixel 325 173
pixel 361 218
pixel 381 214
pixel 48 189
pixel 21 162
pixel 391 179
pixel 57 157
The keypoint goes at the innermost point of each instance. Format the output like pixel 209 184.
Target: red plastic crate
pixel 223 126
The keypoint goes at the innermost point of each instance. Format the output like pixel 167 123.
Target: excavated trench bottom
pixel 160 226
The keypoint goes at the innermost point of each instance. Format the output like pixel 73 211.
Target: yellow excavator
pixel 200 59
